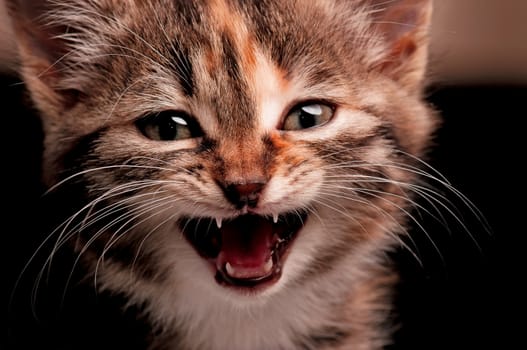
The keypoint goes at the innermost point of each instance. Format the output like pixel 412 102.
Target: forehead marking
pixel 229 21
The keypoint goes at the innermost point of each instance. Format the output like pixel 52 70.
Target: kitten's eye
pixel 308 115
pixel 169 126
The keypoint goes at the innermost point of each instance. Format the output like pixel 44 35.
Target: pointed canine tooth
pixel 268 266
pixel 218 222
pixel 230 269
pixel 275 218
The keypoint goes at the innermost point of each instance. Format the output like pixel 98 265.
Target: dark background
pixel 465 294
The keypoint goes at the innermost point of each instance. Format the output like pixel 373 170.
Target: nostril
pixel 242 194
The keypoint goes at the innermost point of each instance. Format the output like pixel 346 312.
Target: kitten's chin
pixel 248 252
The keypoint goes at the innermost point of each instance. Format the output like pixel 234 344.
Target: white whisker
pixel 106 167
pixel 123 220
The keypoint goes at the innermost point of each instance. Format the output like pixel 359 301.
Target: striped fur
pixel 93 68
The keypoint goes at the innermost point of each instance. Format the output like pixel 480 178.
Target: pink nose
pixel 243 194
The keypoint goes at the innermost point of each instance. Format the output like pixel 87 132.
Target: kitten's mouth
pixel 247 251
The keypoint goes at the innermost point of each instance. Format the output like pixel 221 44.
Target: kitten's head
pixel 235 147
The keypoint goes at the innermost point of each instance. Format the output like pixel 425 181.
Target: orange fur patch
pixel 228 20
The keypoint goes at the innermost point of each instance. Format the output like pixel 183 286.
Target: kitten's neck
pixel 334 308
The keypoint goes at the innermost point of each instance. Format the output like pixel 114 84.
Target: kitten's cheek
pixel 301 252
pixel 284 194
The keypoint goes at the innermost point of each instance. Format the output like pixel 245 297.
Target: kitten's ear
pixel 404 26
pixel 42 51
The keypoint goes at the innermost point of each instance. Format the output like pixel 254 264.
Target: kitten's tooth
pixel 275 218
pixel 218 222
pixel 230 270
pixel 248 273
pixel 268 266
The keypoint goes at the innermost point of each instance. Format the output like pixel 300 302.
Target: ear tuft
pixel 42 49
pixel 36 33
pixel 404 26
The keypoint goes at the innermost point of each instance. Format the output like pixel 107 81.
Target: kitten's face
pixel 237 148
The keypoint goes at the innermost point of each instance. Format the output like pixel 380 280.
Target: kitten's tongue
pixel 246 247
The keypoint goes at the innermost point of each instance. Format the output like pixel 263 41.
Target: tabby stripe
pixel 230 57
pixel 81 151
pixel 183 68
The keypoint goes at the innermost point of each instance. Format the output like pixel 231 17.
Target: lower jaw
pixel 252 285
pixel 246 287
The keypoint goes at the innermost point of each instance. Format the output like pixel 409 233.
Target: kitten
pixel 239 168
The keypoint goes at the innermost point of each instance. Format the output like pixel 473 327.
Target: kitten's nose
pixel 243 194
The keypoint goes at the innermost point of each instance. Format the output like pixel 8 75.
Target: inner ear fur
pixel 404 27
pixel 42 51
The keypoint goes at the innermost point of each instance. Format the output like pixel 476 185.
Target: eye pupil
pixel 306 120
pixel 168 130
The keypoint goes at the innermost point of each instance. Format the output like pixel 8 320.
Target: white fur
pixel 214 317
pixel 272 98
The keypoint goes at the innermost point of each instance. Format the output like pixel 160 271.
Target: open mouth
pixel 247 251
